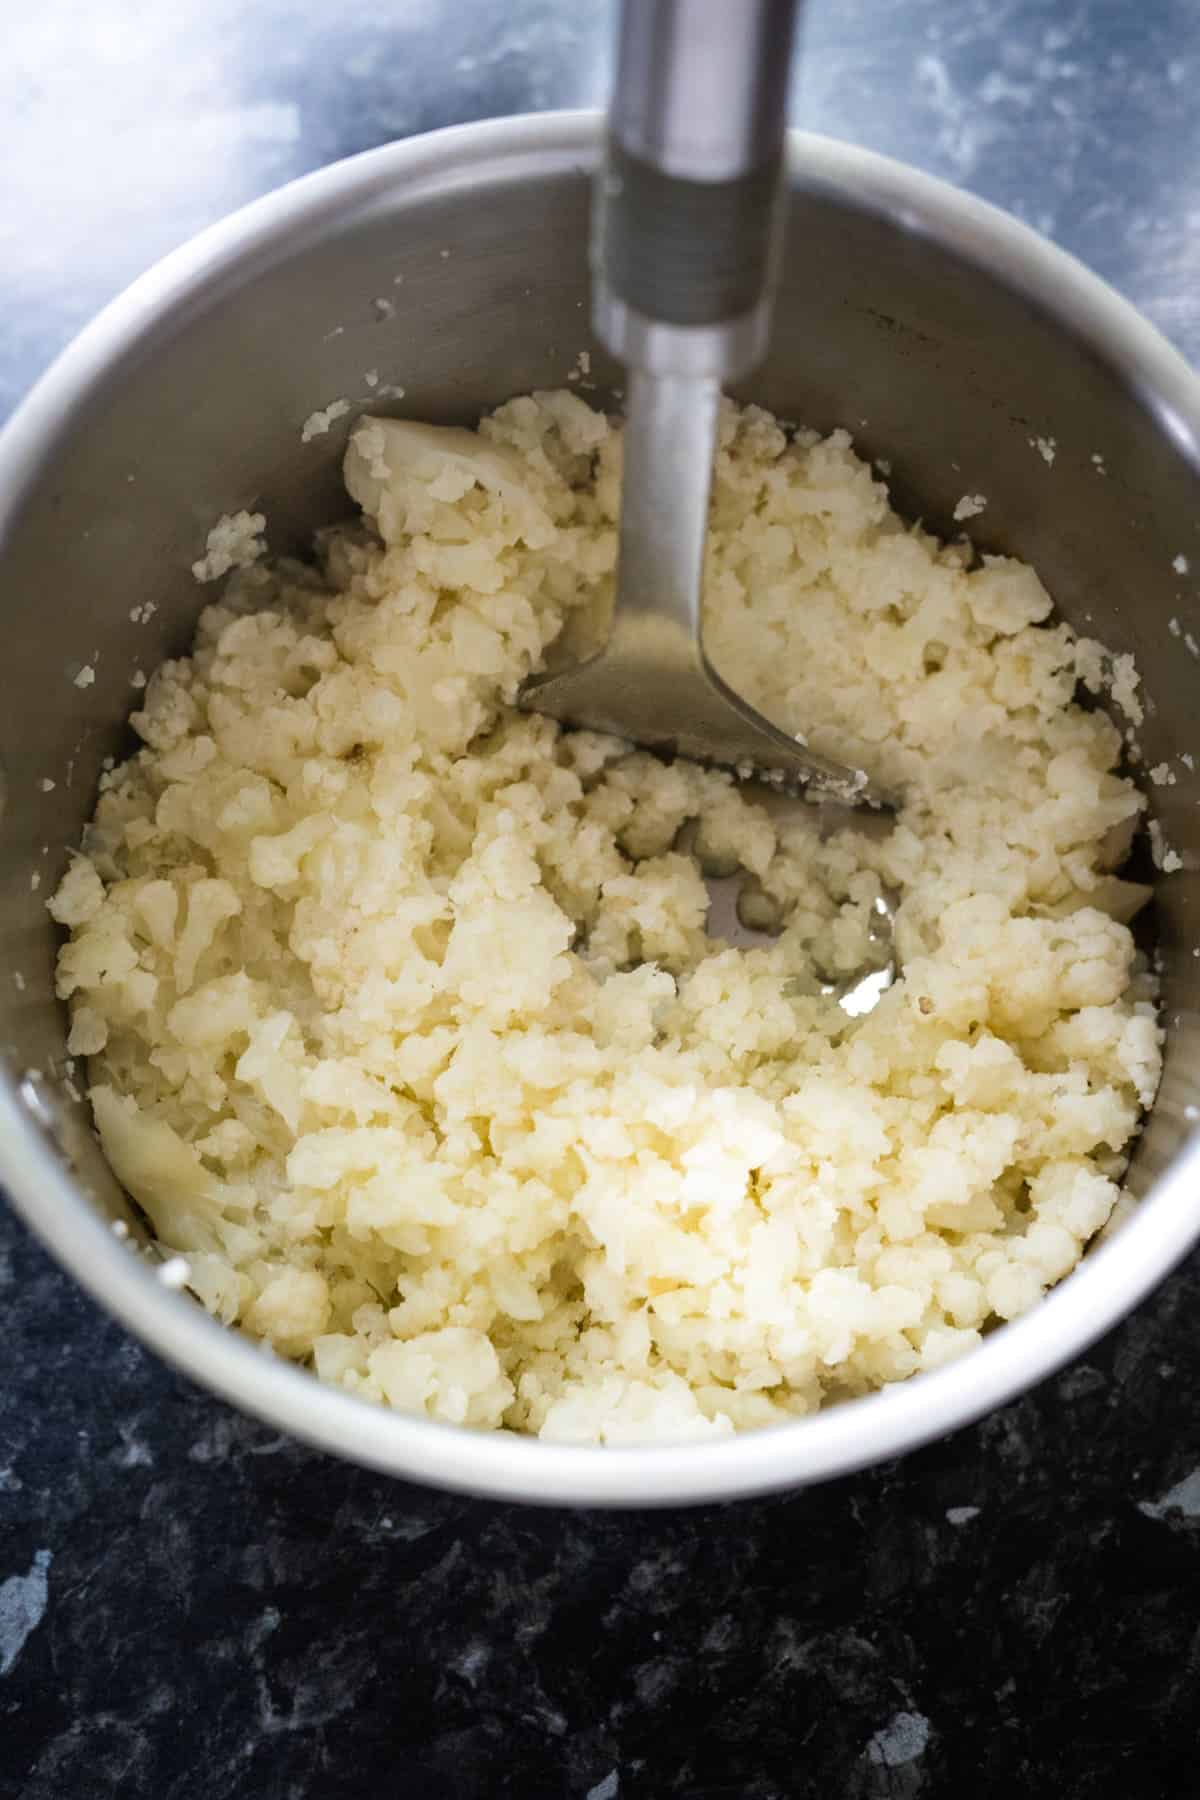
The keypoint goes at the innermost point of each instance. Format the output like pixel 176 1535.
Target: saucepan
pixel 437 278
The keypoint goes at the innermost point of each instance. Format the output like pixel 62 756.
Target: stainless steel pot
pixel 946 336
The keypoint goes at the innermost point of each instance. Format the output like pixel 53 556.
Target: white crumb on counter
pixel 372 378
pixel 1163 775
pixel 1046 447
pixel 1181 564
pixel 47 784
pixel 903 1740
pixel 318 423
pixel 969 506
pixel 175 1272
pixel 85 677
pixel 235 541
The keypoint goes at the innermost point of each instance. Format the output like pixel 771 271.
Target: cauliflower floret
pixel 452 1374
pixel 291 1310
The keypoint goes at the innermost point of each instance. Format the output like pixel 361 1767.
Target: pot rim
pixel 502 1465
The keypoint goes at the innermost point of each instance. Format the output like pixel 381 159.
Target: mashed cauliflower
pixel 403 1024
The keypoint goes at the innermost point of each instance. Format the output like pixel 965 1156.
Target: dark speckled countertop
pixel 192 1606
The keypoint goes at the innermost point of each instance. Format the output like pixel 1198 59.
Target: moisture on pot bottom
pixel 404 1025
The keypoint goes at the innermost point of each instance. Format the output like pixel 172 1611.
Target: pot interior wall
pixel 463 298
